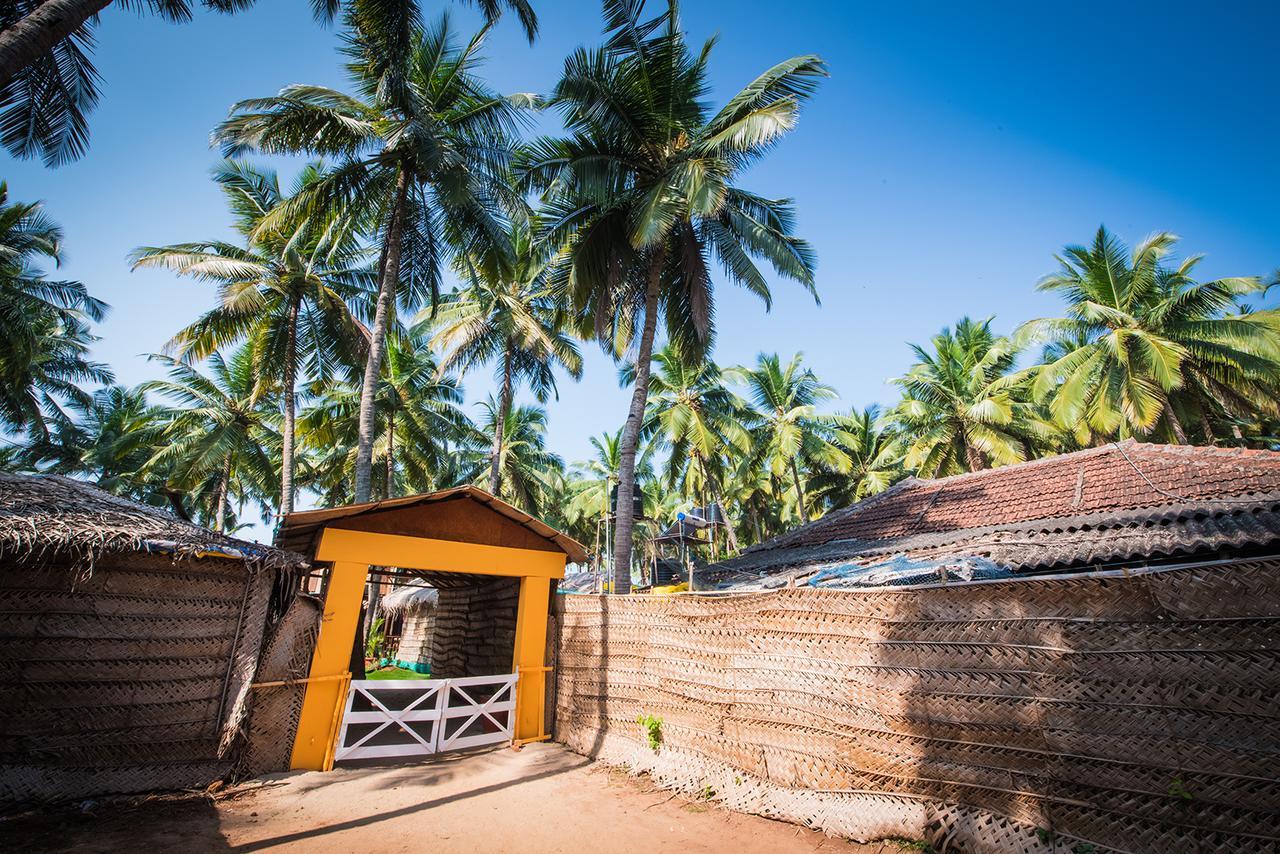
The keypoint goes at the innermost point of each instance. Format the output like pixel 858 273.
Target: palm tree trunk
pixel 500 427
pixel 391 451
pixel 631 431
pixel 795 474
pixel 290 408
pixel 220 508
pixel 36 33
pixel 1206 426
pixel 377 343
pixel 1179 434
pixel 971 454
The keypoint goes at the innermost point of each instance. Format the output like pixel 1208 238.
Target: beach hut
pixel 415 609
pixel 129 642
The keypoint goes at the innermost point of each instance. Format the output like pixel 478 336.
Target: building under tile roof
pixel 1123 502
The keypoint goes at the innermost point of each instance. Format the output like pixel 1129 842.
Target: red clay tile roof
pixel 1119 501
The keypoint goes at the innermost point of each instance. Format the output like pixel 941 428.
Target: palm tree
pixel 784 419
pixel 286 289
pixel 420 428
pixel 529 470
pixel 592 479
pixel 108 438
pixel 422 150
pixel 509 316
pixel 221 433
pixel 875 459
pixel 960 411
pixel 1144 348
pixel 44 324
pixel 28 238
pixel 692 414
pixel 35 386
pixel 48 83
pixel 642 193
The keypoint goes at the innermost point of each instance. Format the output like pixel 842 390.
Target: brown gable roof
pixel 299 530
pixel 1120 501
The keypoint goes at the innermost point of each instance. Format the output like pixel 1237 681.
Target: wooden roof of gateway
pixel 462 514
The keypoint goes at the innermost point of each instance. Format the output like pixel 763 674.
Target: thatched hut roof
pixel 409 600
pixel 46 517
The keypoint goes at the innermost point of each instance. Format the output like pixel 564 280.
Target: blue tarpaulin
pixel 902 570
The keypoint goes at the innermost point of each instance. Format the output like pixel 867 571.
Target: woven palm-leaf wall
pixel 276 710
pixel 134 677
pixel 1135 712
pixel 475 627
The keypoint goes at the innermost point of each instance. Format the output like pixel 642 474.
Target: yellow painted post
pixel 530 655
pixel 321 706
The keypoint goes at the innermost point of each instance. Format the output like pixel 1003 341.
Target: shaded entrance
pixel 443 536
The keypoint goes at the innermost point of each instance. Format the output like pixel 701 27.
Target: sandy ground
pixel 540 799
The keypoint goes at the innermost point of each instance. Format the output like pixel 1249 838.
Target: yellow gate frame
pixel 352 553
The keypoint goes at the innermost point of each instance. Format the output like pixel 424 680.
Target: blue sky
pixel 955 148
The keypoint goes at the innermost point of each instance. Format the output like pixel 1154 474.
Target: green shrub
pixel 653 730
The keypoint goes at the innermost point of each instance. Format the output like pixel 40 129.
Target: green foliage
pixel 1146 351
pixel 641 196
pixel 47 95
pixel 375 640
pixel 44 325
pixel 652 725
pixel 424 172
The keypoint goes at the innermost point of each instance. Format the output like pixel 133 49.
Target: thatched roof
pixel 47 517
pixel 406 600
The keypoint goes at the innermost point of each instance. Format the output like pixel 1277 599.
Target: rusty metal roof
pixel 297 530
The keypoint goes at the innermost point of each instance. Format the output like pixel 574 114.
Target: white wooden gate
pixel 414 717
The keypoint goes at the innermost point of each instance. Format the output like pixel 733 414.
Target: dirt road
pixel 541 799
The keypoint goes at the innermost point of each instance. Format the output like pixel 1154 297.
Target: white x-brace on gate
pixel 414 717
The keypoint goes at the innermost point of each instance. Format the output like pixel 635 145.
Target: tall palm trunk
pixel 1179 433
pixel 504 412
pixel 1206 427
pixel 37 33
pixel 795 475
pixel 971 454
pixel 391 451
pixel 631 431
pixel 224 487
pixel 290 407
pixel 378 339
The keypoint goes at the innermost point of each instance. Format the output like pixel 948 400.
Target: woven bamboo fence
pixel 277 708
pixel 1118 711
pixel 134 678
